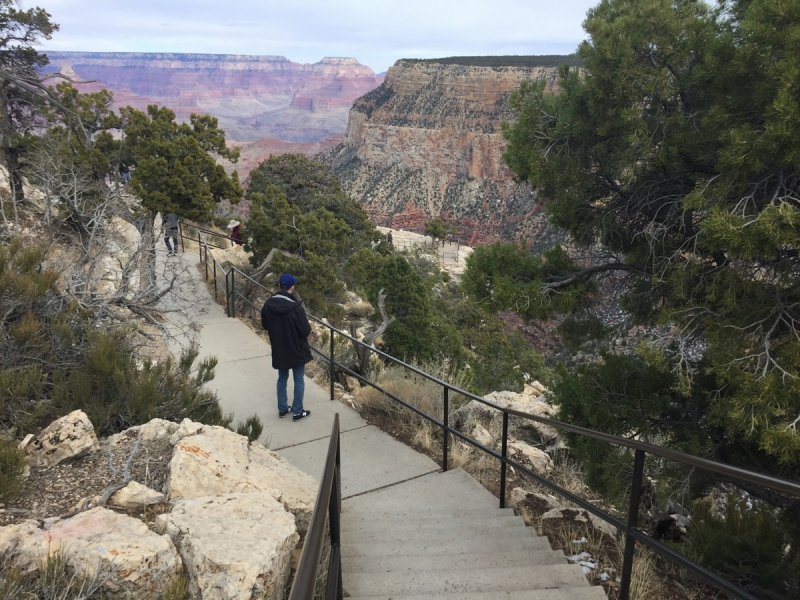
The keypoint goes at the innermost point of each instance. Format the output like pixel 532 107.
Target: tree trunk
pixel 145 225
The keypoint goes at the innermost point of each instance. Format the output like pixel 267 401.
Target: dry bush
pixel 414 389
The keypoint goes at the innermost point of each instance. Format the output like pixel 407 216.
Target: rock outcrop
pixel 232 524
pixel 253 97
pixel 69 437
pixel 475 415
pixel 234 543
pixel 116 551
pixel 217 461
pixel 427 142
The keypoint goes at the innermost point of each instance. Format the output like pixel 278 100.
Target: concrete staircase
pixel 405 544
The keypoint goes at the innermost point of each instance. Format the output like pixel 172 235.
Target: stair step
pixel 453 490
pixel 578 593
pixel 426 512
pixel 436 524
pixel 477 560
pixel 353 522
pixel 422 534
pixel 460 546
pixel 458 581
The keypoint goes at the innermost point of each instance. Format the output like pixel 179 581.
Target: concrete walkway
pixel 245 383
pixel 408 531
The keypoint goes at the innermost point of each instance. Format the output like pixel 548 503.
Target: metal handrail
pixel 327 508
pixel 628 527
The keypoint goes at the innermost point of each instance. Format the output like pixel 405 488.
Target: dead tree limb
pixel 363 351
pixel 249 288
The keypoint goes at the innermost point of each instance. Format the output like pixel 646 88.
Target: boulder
pixel 533 503
pixel 235 256
pixel 553 521
pixel 157 430
pixel 186 428
pixel 492 419
pixel 534 388
pixel 234 545
pixel 218 461
pixel 118 551
pixel 72 436
pixel 481 435
pixel 541 463
pixel 136 495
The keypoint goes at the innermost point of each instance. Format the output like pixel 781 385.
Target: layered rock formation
pixel 254 97
pixel 427 143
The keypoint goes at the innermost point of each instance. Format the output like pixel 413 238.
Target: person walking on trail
pixel 236 232
pixel 285 320
pixel 170 223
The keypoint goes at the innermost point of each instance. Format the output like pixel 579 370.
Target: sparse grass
pixel 12 467
pixel 416 390
pixel 177 589
pixel 53 581
pixel 646 584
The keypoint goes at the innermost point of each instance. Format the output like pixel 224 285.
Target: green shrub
pixel 748 545
pixel 116 392
pixel 12 466
pixel 251 429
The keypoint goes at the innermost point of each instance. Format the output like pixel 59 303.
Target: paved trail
pixel 409 532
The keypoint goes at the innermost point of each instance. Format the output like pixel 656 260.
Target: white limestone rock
pixel 136 495
pixel 218 461
pixel 481 435
pixel 234 545
pixel 537 502
pixel 554 520
pixel 131 561
pixel 72 436
pixel 157 430
pixel 492 419
pixel 186 428
pixel 541 463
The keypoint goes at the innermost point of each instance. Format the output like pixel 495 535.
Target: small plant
pixel 177 589
pixel 251 429
pixel 12 466
pixel 53 580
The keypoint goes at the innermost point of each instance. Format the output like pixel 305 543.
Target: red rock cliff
pixel 427 143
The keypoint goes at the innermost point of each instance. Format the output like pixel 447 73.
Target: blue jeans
pixel 299 387
pixel 171 233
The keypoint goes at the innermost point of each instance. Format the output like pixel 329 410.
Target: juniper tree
pixel 674 150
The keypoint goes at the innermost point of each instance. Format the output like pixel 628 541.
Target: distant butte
pixel 254 97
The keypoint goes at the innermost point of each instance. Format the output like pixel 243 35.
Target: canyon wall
pixel 254 97
pixel 427 142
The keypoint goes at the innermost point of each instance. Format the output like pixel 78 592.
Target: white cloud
pixel 376 32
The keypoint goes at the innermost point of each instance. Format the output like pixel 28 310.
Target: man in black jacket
pixel 284 318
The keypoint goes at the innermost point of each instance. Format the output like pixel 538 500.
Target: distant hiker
pixel 285 320
pixel 124 173
pixel 236 232
pixel 389 236
pixel 170 224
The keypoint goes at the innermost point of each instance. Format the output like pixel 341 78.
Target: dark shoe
pixel 283 413
pixel 301 416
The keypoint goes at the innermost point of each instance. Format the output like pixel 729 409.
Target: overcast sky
pixel 376 32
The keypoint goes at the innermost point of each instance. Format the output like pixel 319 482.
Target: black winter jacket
pixel 285 320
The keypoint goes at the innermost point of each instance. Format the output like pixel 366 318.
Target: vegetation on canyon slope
pixel 64 342
pixel 675 150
